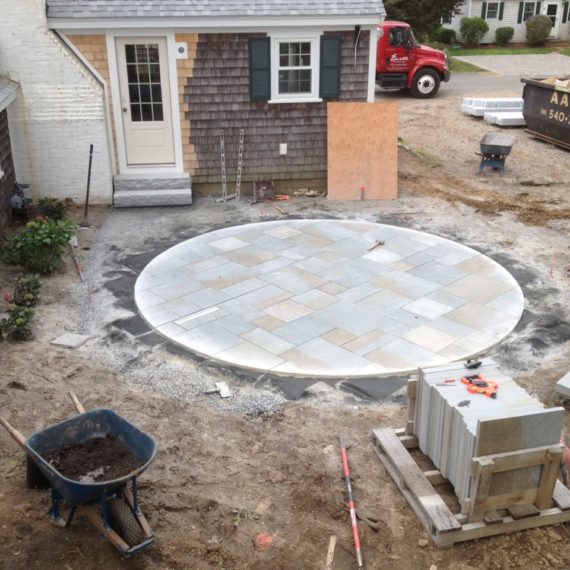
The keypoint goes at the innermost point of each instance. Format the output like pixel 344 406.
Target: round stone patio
pixel 314 298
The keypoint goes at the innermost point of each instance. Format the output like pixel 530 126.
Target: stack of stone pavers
pixel 449 432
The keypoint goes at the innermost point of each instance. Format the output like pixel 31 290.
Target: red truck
pixel 402 63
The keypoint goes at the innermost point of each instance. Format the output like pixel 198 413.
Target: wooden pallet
pixel 488 515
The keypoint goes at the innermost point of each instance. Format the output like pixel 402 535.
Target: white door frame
pixel 554 31
pixel 124 168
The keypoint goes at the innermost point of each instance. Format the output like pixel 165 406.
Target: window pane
pixel 130 54
pixel 156 93
pixel 146 112
pixel 283 60
pixel 283 49
pixel 158 112
pixel 145 93
pixel 295 81
pixel 306 60
pixel 132 76
pixel 142 53
pixel 153 53
pixel 135 113
pixel 305 47
pixel 154 73
pixel 144 76
pixel 134 93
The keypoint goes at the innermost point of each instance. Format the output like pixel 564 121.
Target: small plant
pixel 27 290
pixel 504 35
pixel 40 246
pixel 52 208
pixel 18 325
pixel 445 35
pixel 473 30
pixel 537 30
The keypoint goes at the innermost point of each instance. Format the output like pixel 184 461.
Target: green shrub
pixel 52 208
pixel 537 30
pixel 18 325
pixel 40 247
pixel 504 35
pixel 27 289
pixel 473 30
pixel 445 35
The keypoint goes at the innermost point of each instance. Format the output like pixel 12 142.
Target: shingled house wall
pixel 216 96
pixel 7 166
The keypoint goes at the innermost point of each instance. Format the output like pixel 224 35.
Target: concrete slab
pixel 334 308
pixel 70 340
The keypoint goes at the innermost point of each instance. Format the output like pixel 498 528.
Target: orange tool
pixel 478 384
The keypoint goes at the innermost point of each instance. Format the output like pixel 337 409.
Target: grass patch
pixel 457 66
pixel 566 51
pixel 499 51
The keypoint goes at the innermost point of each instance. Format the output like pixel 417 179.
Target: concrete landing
pixel 311 298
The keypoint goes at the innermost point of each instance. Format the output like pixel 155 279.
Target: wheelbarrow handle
pixel 16 435
pixel 76 402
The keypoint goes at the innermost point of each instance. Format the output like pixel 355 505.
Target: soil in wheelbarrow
pixel 95 460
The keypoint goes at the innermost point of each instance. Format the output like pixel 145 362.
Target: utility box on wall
pixel 362 151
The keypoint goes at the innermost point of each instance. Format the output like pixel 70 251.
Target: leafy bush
pixel 473 30
pixel 52 208
pixel 27 289
pixel 537 30
pixel 18 325
pixel 445 35
pixel 40 246
pixel 504 35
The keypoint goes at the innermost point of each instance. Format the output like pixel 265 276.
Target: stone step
pixel 135 182
pixel 141 198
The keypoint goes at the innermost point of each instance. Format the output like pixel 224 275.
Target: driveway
pixel 522 65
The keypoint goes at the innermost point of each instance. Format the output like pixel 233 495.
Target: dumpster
pixel 546 109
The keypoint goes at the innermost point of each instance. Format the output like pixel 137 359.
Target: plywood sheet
pixel 362 145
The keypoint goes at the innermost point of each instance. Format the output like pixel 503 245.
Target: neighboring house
pixel 8 94
pixel 514 15
pixel 151 83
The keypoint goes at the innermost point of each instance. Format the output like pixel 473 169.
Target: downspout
pixel 95 74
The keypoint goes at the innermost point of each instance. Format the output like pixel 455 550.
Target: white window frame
pixel 314 38
pixel 533 4
pixel 496 6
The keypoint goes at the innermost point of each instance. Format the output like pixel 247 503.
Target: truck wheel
pixel 425 84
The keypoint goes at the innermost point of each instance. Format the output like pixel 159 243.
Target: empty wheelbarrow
pixel 494 150
pixel 110 506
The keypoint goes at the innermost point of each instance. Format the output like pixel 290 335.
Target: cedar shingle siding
pixel 218 97
pixel 6 164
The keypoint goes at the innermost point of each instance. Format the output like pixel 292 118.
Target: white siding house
pixel 514 14
pixel 59 112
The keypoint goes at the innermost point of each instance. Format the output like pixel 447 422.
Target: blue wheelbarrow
pixel 110 506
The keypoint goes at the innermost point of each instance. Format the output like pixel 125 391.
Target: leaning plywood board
pixel 563 386
pixel 362 147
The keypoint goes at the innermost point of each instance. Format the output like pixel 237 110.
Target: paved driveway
pixel 522 65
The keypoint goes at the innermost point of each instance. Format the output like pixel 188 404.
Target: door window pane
pixel 143 76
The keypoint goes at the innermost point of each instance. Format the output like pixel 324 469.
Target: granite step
pixel 133 191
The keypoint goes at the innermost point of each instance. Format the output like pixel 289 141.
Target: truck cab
pixel 403 63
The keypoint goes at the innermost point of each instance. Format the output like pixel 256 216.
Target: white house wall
pixel 60 110
pixel 510 18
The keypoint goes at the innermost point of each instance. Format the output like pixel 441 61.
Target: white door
pixel 552 13
pixel 145 101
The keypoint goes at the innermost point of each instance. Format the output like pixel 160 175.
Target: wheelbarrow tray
pixel 496 144
pixel 88 425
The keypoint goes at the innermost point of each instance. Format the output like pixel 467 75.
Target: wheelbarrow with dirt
pixel 110 505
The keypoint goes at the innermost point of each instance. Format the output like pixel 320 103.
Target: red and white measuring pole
pixel 351 506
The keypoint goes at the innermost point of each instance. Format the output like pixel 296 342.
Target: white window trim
pixel 533 10
pixel 496 16
pixel 314 37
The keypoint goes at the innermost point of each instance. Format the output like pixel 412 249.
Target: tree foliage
pixel 425 16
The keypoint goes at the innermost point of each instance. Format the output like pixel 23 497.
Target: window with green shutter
pixel 329 87
pixel 565 13
pixel 501 10
pixel 259 69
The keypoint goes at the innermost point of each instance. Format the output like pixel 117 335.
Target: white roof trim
pixel 213 24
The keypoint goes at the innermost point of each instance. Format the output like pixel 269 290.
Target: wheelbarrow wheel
pixel 124 522
pixel 35 479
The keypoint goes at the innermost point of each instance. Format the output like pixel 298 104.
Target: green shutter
pixel 520 16
pixel 484 10
pixel 565 13
pixel 537 8
pixel 501 10
pixel 259 69
pixel 329 87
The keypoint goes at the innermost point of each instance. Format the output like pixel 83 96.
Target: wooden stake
pixel 376 244
pixel 330 553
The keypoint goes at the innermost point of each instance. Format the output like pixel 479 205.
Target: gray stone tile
pixel 288 310
pixel 438 273
pixel 209 297
pixel 313 265
pixel 268 322
pixel 479 317
pixel 148 299
pixel 405 317
pixel 250 256
pixel 419 258
pixel 147 281
pixel 511 302
pixel 268 341
pixel 382 256
pixel 261 298
pixel 338 336
pixel 348 317
pixel 157 316
pixel 249 355
pixel 271 265
pixel 182 306
pixel 198 318
pixel 244 287
pixel 293 280
pixel 238 307
pixel 405 284
pixel 410 352
pixel 332 288
pixel 428 308
pixel 366 343
pixel 430 338
pixel 359 292
pixel 315 299
pixel 208 339
pixel 303 329
pixel 170 330
pixel 228 244
pixel 404 246
pixel 237 324
pixel 383 301
pixel 447 298
pixel 350 275
pixel 451 327
pixel 478 289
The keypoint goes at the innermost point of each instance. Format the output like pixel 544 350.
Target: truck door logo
pixel 395 60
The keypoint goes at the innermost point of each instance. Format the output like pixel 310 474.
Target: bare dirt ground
pixel 227 471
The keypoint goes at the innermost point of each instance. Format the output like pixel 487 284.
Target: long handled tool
pixel 351 506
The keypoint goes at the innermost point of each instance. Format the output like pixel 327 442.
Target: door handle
pixel 125 109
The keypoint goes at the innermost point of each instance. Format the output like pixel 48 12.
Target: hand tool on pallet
pixel 351 506
pixel 478 384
